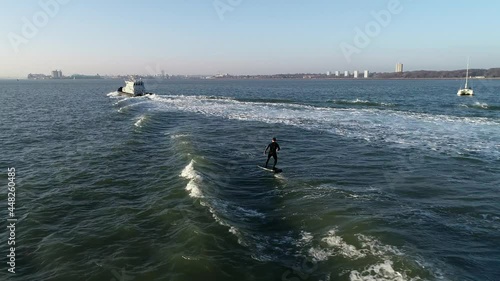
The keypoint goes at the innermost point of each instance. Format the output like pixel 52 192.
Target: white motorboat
pixel 133 88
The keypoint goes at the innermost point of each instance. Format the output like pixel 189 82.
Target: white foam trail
pixel 481 104
pixel 139 121
pixel 336 247
pixel 319 254
pixel 113 94
pixel 250 213
pixel 129 106
pixel 194 180
pixel 404 129
pixel 376 248
pixel 176 136
pixel 361 101
pixel 121 101
pixel 306 237
pixel 369 248
pixel 378 272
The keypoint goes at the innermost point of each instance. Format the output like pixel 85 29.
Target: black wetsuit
pixel 273 147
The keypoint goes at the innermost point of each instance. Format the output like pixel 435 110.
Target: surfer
pixel 272 147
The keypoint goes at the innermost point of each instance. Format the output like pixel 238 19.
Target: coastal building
pixel 328 73
pixel 337 73
pixel 57 74
pixel 346 73
pixel 366 74
pixel 355 74
pixel 399 67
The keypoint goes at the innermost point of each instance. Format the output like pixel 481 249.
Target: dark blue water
pixel 382 180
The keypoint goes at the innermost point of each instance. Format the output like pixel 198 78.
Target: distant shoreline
pixel 354 79
pixel 262 78
pixel 476 74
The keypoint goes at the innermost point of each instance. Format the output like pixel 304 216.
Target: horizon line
pixel 227 73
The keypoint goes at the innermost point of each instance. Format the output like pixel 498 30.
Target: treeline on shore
pixel 419 74
pixel 483 73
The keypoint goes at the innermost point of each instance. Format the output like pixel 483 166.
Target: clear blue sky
pixel 251 37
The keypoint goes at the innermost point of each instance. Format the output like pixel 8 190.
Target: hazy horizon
pixel 243 37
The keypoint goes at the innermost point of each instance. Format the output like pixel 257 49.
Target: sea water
pixel 382 180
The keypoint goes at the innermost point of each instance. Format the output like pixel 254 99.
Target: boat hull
pixel 121 92
pixel 465 92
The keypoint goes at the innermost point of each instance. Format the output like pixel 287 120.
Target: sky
pixel 245 36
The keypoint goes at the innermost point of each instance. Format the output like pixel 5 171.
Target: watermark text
pixel 363 36
pixel 31 26
pixel 11 220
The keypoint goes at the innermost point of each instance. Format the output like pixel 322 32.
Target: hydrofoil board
pixel 275 170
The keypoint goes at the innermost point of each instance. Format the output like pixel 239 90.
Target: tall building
pixel 328 73
pixel 366 73
pixel 346 73
pixel 399 67
pixel 337 73
pixel 355 74
pixel 57 74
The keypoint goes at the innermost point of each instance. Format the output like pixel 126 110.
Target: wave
pixel 140 120
pixel 241 221
pixel 370 258
pixel 177 136
pixel 195 179
pixel 379 259
pixel 362 102
pixel 338 247
pixel 223 212
pixel 382 271
pixel 114 94
pixel 266 100
pixel 443 133
pixel 481 105
pixel 129 106
pixel 215 97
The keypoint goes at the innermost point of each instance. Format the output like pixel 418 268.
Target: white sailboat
pixel 466 90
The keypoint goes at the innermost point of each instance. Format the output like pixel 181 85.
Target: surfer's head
pixel 274 139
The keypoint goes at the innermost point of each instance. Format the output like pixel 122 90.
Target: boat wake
pixel 195 179
pixel 382 262
pixel 140 121
pixel 368 257
pixel 362 103
pixel 114 94
pixel 443 133
pixel 481 105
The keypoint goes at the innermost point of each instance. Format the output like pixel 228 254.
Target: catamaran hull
pixel 465 92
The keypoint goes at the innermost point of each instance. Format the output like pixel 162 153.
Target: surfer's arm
pixel 265 151
pixel 278 146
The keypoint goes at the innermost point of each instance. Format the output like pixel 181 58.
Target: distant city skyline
pixel 241 37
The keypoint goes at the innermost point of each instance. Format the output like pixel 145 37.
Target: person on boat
pixel 273 147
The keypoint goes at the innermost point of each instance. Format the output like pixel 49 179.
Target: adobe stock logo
pixel 39 19
pixel 363 37
pixel 224 6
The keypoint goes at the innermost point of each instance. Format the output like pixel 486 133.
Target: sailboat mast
pixel 467 73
